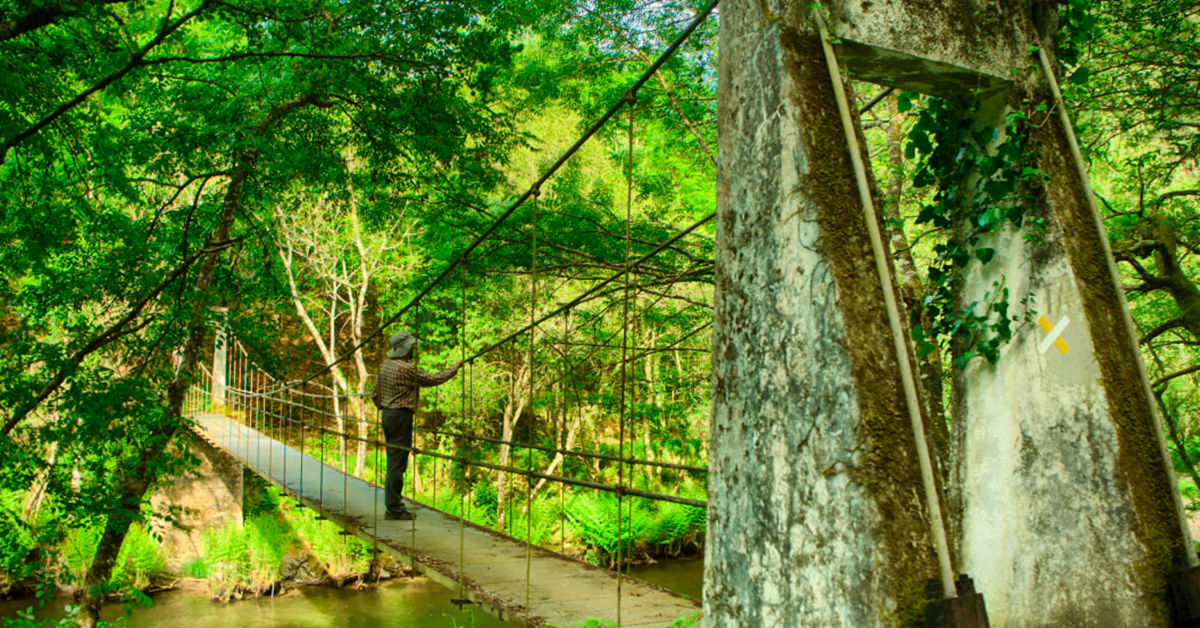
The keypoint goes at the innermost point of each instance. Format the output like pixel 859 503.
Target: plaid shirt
pixel 400 381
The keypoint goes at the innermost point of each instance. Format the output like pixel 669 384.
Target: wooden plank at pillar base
pixel 562 591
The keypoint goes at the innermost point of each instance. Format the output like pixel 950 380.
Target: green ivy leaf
pixel 988 219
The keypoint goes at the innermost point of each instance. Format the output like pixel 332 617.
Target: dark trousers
pixel 398 432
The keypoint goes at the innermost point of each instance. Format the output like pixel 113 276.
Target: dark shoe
pixel 403 515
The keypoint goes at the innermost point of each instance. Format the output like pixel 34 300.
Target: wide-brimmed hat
pixel 402 344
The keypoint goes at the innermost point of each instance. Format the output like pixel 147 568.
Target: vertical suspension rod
pixel 533 294
pixel 631 101
pixel 932 501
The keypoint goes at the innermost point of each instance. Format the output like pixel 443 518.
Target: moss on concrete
pixel 888 466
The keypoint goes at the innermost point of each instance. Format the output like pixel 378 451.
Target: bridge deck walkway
pixel 562 591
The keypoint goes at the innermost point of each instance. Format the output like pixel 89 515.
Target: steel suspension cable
pixel 632 461
pixel 284 430
pixel 321 474
pixel 438 445
pixel 281 420
pixel 412 455
pixel 596 288
pixel 375 500
pixel 533 294
pixel 562 444
pixel 344 455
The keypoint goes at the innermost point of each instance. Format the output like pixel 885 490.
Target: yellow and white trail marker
pixel 1054 335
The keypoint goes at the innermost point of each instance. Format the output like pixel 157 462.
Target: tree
pixel 1134 85
pixel 342 266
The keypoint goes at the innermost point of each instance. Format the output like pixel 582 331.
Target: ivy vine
pixel 981 184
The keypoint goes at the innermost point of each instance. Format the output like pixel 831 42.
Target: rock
pixel 302 569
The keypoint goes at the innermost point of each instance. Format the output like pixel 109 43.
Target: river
pixel 398 603
pixel 685 575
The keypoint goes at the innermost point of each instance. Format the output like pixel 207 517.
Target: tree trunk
pixel 1174 278
pixel 566 445
pixel 328 349
pixel 513 408
pixel 912 287
pixel 37 492
pixel 1172 423
pixel 136 481
pixel 357 316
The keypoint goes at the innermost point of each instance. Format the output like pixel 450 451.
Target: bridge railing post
pixel 220 357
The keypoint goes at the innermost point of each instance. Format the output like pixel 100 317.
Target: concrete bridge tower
pixel 1066 512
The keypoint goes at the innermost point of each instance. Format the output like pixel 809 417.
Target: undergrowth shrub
pixel 268 539
pixel 480 504
pixel 593 519
pixel 141 557
pixel 196 568
pixel 540 526
pixel 17 542
pixel 226 560
pixel 76 551
pixel 341 555
pixel 678 527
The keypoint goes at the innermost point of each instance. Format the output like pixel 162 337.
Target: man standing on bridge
pixel 398 393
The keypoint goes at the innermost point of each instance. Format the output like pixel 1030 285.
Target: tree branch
pixel 136 481
pixel 1174 194
pixel 44 16
pixel 109 335
pixel 137 60
pixel 1166 378
pixel 1161 329
pixel 280 55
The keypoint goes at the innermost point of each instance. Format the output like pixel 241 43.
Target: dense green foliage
pixel 1140 111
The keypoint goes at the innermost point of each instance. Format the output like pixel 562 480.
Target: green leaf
pixel 988 219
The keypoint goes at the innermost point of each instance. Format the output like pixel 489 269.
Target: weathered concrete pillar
pixel 816 512
pixel 1068 516
pixel 1067 511
pixel 205 497
pixel 220 360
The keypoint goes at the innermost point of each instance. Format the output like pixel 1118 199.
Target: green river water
pixel 399 603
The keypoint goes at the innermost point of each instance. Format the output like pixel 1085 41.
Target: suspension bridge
pixel 281 430
pixel 514 580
